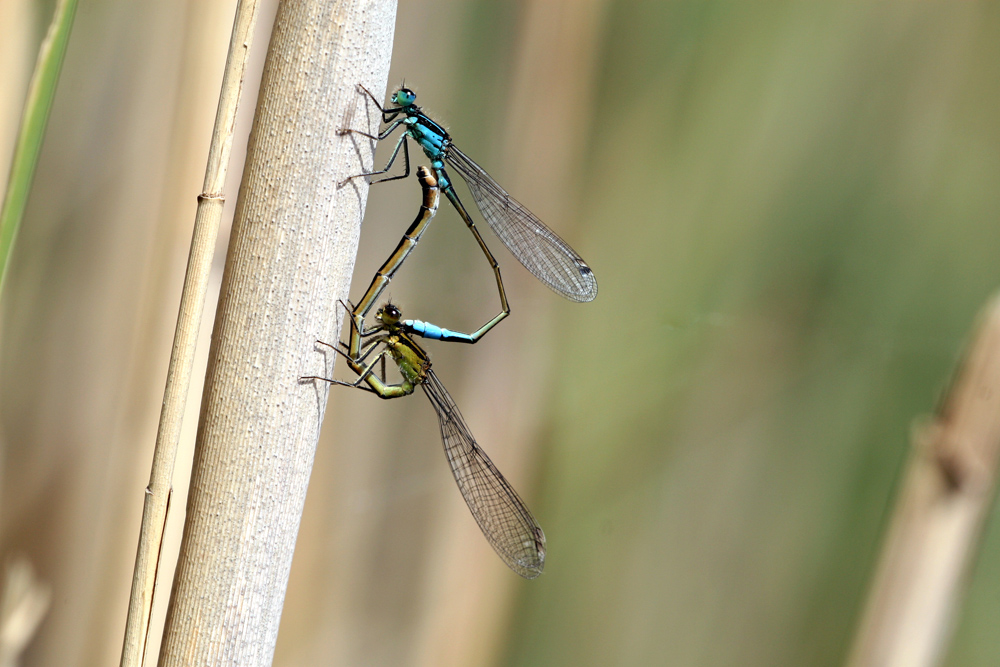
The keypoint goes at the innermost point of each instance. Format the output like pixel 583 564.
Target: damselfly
pixel 429 206
pixel 536 246
pixel 501 514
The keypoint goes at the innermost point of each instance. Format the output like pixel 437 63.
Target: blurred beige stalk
pixel 947 491
pixel 18 47
pixel 290 258
pixel 23 603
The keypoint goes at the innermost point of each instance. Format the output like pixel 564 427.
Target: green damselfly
pixel 503 517
pixel 537 247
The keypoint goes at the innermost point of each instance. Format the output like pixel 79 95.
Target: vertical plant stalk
pixel 290 258
pixel 203 239
pixel 41 92
pixel 946 493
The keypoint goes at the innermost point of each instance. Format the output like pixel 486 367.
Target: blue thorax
pixel 433 138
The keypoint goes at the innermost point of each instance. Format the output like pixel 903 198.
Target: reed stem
pixel 291 256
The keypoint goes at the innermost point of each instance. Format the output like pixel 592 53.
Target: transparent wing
pixel 536 246
pixel 500 513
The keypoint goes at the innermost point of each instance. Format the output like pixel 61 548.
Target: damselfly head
pixel 404 97
pixel 389 314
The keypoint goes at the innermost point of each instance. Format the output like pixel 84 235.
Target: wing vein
pixel 501 514
pixel 537 247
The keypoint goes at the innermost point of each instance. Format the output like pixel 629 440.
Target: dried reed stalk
pixel 206 231
pixel 290 258
pixel 946 493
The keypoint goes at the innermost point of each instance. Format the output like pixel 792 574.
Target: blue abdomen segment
pixel 444 183
pixel 434 332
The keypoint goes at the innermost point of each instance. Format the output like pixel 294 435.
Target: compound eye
pixel 405 97
pixel 389 314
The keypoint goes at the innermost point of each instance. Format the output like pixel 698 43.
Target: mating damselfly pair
pixel 502 516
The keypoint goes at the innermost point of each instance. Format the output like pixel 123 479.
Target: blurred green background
pixel 792 211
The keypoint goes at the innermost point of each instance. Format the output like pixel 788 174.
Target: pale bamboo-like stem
pixel 203 239
pixel 945 496
pixel 290 258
